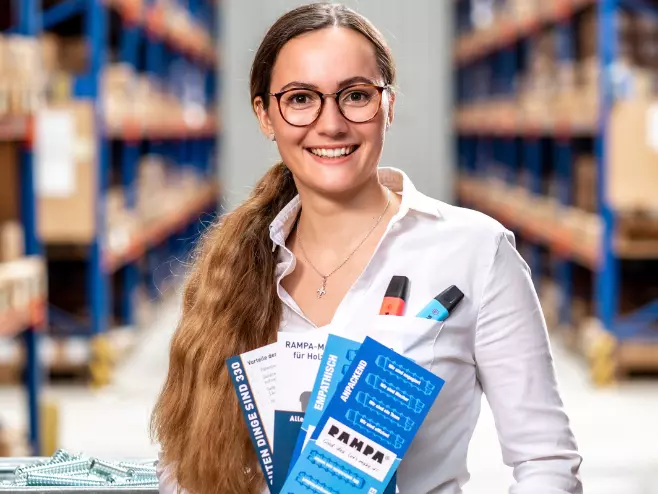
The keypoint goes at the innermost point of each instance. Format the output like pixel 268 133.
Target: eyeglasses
pixel 359 103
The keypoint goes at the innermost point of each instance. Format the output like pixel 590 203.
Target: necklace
pixel 323 287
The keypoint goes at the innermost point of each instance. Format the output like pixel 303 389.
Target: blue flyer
pixel 338 355
pixel 367 426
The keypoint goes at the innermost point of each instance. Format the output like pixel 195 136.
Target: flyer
pixel 254 379
pixel 298 362
pixel 367 426
pixel 338 355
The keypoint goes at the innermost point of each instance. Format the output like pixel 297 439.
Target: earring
pixel 272 137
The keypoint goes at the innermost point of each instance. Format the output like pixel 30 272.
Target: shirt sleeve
pixel 515 368
pixel 167 483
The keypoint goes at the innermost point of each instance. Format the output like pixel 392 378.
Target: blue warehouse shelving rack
pixel 521 139
pixel 160 49
pixel 151 43
pixel 20 319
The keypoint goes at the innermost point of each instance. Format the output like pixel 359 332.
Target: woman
pixel 315 247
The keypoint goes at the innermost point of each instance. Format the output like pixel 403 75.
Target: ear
pixel 391 109
pixel 266 126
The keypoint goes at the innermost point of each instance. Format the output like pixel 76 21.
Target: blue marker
pixel 442 305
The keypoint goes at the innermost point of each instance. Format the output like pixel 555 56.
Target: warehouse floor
pixel 616 428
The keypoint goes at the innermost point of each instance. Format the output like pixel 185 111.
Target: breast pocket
pixel 412 337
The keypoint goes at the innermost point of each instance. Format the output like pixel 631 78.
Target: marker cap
pixel 450 297
pixel 398 288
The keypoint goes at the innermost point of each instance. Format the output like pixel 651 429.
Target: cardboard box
pixel 5 296
pixel 3 55
pixel 633 171
pixel 638 225
pixel 549 296
pixel 12 241
pixel 647 41
pixel 50 53
pixel 585 178
pixel 68 201
pixel 9 180
pixel 59 89
pixel 13 443
pixel 74 55
pixel 587 39
pixel 629 40
pixel 26 278
pixel 522 10
pixel 567 79
pixel 21 75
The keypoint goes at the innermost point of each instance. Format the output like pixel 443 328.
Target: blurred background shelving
pixel 556 119
pixel 108 142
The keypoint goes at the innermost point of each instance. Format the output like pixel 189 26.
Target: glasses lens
pixel 360 103
pixel 300 107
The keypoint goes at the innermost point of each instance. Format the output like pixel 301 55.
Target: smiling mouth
pixel 334 152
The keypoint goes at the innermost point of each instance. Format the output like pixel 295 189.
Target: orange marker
pixel 395 297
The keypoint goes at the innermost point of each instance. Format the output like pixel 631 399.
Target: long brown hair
pixel 230 301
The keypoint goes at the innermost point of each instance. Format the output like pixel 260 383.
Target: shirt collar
pixel 396 180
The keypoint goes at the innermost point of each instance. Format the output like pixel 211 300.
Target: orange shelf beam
pixel 514 123
pixel 131 129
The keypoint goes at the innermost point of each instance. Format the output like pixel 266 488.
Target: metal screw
pixel 60 456
pixel 141 464
pixel 64 467
pixel 61 480
pixel 143 482
pixel 18 482
pixel 138 469
pixel 110 479
pixel 106 469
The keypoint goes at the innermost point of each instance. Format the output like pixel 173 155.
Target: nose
pixel 331 121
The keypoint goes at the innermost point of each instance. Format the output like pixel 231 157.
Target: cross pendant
pixel 322 290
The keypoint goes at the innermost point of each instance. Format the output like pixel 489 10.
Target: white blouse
pixel 495 341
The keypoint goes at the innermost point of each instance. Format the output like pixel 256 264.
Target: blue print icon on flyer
pixel 367 427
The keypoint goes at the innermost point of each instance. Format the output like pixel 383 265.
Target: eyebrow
pixel 344 83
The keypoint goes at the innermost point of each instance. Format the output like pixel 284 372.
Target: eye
pixel 361 96
pixel 300 99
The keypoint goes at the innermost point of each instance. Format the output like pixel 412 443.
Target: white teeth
pixel 332 153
